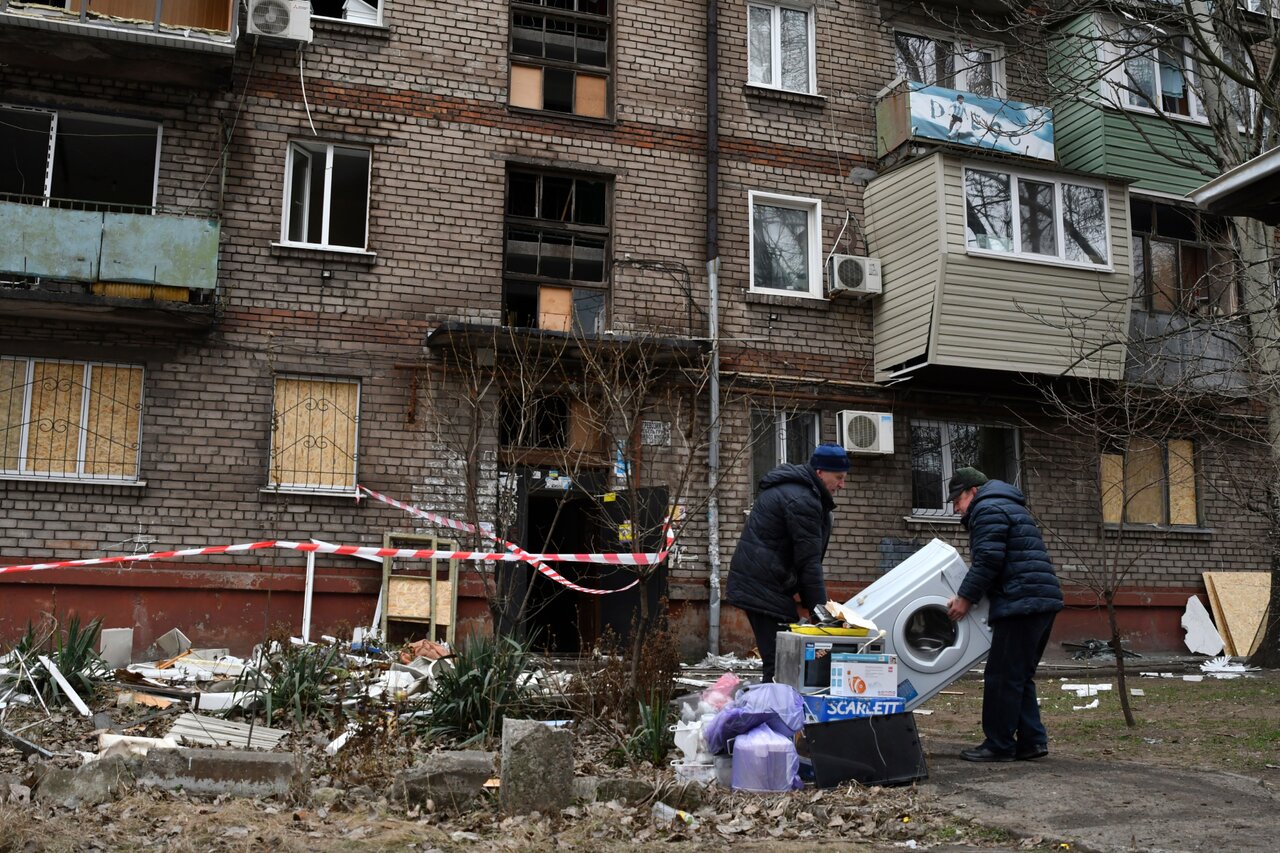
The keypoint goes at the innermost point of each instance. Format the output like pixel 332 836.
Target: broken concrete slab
pixel 209 772
pixel 115 645
pixel 450 779
pixel 89 785
pixel 537 767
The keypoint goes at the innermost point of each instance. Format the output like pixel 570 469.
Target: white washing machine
pixel 910 605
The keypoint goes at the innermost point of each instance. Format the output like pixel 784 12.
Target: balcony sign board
pixel 964 118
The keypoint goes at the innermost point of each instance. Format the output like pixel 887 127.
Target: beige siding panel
pixel 903 232
pixel 1011 314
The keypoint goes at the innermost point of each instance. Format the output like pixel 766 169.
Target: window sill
pixel 556 114
pixel 953 520
pixel 76 481
pixel 1160 529
pixel 766 93
pixel 296 250
pixel 337 25
pixel 1021 258
pixel 797 300
pixel 302 491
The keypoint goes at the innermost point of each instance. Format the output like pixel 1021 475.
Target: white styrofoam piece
pixel 222 701
pixel 1202 637
pixel 1086 690
pixel 65 685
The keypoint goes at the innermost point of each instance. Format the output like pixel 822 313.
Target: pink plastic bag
pixel 719 694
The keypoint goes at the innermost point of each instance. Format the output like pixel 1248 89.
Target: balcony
pixel 179 42
pixel 914 112
pixel 137 265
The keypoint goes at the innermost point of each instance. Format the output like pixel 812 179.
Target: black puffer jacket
pixel 781 550
pixel 1010 564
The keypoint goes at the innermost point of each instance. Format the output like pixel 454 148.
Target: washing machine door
pixel 927 641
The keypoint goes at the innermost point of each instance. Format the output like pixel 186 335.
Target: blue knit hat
pixel 829 457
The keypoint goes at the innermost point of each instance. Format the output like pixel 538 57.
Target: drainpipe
pixel 713 309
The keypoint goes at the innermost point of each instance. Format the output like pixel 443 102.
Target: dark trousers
pixel 1010 715
pixel 766 629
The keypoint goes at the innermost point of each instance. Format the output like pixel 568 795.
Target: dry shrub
pixel 606 691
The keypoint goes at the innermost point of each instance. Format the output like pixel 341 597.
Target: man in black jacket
pixel 781 550
pixel 1010 565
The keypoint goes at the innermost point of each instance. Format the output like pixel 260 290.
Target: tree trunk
pixel 1119 652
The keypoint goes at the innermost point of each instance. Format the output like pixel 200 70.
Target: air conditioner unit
pixel 288 20
pixel 866 432
pixel 853 274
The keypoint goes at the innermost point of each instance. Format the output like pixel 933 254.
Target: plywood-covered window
pixel 560 56
pixel 70 419
pixel 314 432
pixel 1150 482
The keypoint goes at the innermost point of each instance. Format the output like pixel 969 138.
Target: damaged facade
pixel 462 260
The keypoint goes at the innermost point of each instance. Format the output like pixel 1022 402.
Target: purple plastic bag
pixel 777 706
pixel 764 760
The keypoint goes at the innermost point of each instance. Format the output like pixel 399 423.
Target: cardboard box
pixel 872 676
pixel 824 708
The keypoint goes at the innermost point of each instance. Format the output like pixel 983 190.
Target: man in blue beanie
pixel 781 550
pixel 1010 565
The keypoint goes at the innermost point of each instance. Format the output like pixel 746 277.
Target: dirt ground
pixel 1199 772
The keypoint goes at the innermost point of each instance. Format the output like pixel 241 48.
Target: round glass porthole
pixel 929 632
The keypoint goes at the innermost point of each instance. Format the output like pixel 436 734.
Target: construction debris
pixel 214 731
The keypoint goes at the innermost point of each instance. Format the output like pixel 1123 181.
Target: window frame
pixel 1016 176
pixel 274 485
pixel 380 22
pixel 960 48
pixel 813 207
pixel 24 471
pixel 1189 294
pixel 575 17
pixel 559 228
pixel 309 149
pixel 780 425
pixel 1165 483
pixel 775 46
pixel 947 468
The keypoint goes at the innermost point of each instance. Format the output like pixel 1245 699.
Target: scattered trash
pixel 1088 707
pixel 664 813
pixel 214 731
pixel 1086 690
pixel 1202 637
pixel 1224 667
pixel 1137 691
pixel 173 643
pixel 1096 649
pixel 65 685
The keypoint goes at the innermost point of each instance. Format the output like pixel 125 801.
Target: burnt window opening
pixel 1183 261
pixel 91 162
pixel 541 423
pixel 560 56
pixel 556 251
pixel 354 11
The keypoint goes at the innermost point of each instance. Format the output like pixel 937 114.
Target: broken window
pixel 1051 219
pixel 560 56
pixel 778 438
pixel 939 448
pixel 355 11
pixel 327 195
pixel 780 47
pixel 314 433
pixel 77 159
pixel 557 244
pixel 70 419
pixel 951 64
pixel 1183 261
pixel 1150 482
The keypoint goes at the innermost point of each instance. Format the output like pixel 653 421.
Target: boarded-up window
pixel 314 434
pixel 69 419
pixel 1152 483
pixel 560 56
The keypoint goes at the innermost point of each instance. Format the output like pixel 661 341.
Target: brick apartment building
pixel 244 273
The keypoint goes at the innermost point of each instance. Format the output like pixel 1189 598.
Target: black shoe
pixel 1032 753
pixel 983 754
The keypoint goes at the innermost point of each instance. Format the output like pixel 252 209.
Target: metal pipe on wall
pixel 713 309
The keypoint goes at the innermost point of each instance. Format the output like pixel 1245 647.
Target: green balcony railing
pixel 94 245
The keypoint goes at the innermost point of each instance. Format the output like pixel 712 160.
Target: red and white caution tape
pixel 613 559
